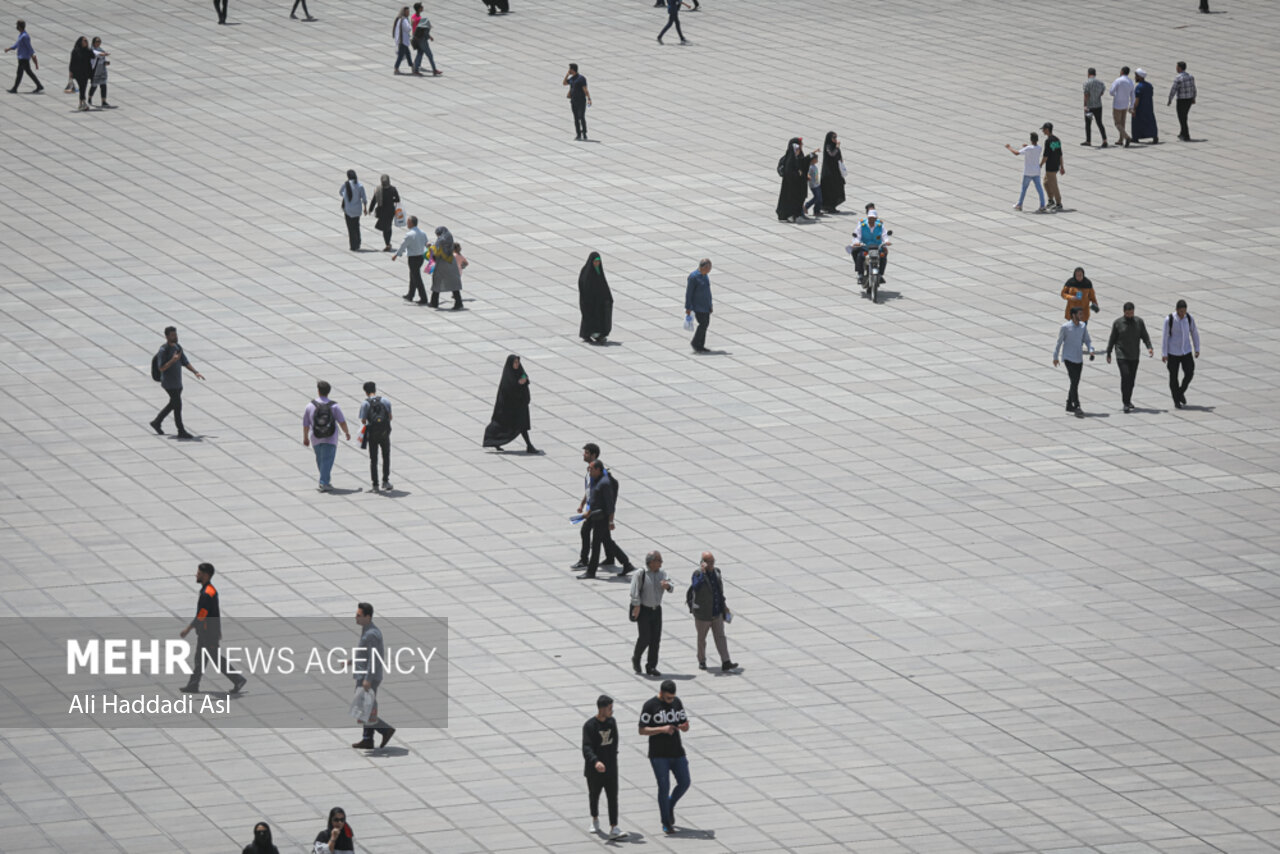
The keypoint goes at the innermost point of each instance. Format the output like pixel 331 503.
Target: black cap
pixel 603 700
pixel 1047 126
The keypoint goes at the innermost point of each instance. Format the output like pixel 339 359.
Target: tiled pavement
pixel 967 621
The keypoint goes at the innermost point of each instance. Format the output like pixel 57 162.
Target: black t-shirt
pixel 577 83
pixel 208 617
pixel 1052 153
pixel 600 744
pixel 657 713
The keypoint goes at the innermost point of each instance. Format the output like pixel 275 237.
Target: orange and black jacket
pixel 208 617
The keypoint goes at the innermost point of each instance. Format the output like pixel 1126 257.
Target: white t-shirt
pixel 1031 159
pixel 1122 92
pixel 404 31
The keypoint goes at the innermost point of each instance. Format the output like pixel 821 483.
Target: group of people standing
pixel 1133 104
pixel 802 177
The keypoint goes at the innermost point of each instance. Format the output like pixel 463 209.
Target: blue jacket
pixel 869 236
pixel 697 294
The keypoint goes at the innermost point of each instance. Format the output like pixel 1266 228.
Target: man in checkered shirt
pixel 1184 89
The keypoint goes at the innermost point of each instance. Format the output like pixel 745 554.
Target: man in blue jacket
pixel 697 301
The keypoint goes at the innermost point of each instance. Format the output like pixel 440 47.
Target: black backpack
pixel 155 367
pixel 377 418
pixel 322 424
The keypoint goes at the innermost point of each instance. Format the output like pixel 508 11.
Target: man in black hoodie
pixel 600 751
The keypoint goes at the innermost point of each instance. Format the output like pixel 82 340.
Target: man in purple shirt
pixel 320 425
pixel 26 57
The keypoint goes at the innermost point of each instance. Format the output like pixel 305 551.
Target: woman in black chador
pixel 794 169
pixel 832 173
pixel 511 409
pixel 596 302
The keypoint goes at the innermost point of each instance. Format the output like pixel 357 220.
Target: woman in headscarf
pixel 1079 293
pixel 595 301
pixel 832 173
pixel 82 68
pixel 511 409
pixel 793 168
pixel 1144 110
pixel 337 834
pixel 261 843
pixel 385 199
pixel 445 275
pixel 100 64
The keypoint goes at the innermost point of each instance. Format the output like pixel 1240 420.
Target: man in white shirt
pixel 414 245
pixel 1030 169
pixel 1121 91
pixel 1180 348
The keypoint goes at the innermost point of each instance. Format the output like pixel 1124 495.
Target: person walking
pixel 1121 91
pixel 261 843
pixel 595 302
pixel 320 423
pixel 511 409
pixel 293 13
pixel 414 246
pixel 100 64
pixel 1126 333
pixel 793 169
pixel 368 666
pixel 646 611
pixel 600 755
pixel 354 201
pixel 402 35
pixel 27 59
pixel 421 41
pixel 579 99
pixel 673 19
pixel 1073 337
pixel 386 201
pixel 697 302
pixel 1184 91
pixel 706 602
pixel 446 269
pixel 590 453
pixel 833 173
pixel 208 627
pixel 662 719
pixel 1030 170
pixel 1094 89
pixel 337 834
pixel 815 186
pixel 1179 348
pixel 220 6
pixel 166 366
pixel 82 69
pixel 601 503
pixel 375 415
pixel 1144 110
pixel 496 6
pixel 1079 293
pixel 1051 160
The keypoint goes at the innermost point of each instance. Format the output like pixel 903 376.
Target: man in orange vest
pixel 208 626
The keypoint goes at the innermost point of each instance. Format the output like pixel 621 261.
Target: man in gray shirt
pixel 1093 91
pixel 646 611
pixel 368 667
pixel 168 363
pixel 415 246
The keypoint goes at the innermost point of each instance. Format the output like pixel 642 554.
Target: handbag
pixel 632 614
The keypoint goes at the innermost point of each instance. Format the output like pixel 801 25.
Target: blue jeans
pixel 667 802
pixel 402 55
pixel 673 18
pixel 326 452
pixel 423 47
pixel 816 201
pixel 1027 180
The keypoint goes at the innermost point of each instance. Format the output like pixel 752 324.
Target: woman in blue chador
pixel 1144 109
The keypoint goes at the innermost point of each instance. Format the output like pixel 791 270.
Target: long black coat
pixel 511 409
pixel 795 184
pixel 595 300
pixel 832 180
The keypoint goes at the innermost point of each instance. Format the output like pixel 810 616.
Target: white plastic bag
pixel 364 706
pixel 399 220
pixel 688 323
pixel 844 171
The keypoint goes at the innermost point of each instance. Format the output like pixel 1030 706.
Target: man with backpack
pixel 705 598
pixel 375 415
pixel 602 499
pixel 166 369
pixel 1181 348
pixel 320 425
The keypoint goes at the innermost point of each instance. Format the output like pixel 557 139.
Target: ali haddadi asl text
pixel 114 704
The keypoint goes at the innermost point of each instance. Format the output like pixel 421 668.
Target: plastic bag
pixel 399 220
pixel 688 323
pixel 364 706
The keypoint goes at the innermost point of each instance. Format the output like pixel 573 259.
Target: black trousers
pixel 1188 364
pixel 610 548
pixel 860 259
pixel 608 782
pixel 94 88
pixel 174 406
pixel 24 67
pixel 457 302
pixel 206 647
pixel 1073 371
pixel 303 3
pixel 699 341
pixel 580 116
pixel 82 84
pixel 353 231
pixel 648 635
pixel 383 444
pixel 601 536
pixel 1094 114
pixel 386 234
pixel 673 18
pixel 381 726
pixel 1128 376
pixel 220 6
pixel 1184 108
pixel 415 278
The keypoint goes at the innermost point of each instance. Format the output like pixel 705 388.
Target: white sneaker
pixel 616 833
pixel 595 826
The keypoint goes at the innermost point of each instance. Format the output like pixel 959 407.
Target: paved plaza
pixel 967 621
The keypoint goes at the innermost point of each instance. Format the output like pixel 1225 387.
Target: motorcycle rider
pixel 870 235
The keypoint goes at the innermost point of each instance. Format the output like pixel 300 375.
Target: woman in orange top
pixel 1078 292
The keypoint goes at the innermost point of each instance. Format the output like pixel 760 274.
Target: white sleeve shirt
pixel 403 32
pixel 1122 92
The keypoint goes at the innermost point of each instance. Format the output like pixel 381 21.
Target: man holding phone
pixel 662 719
pixel 579 99
pixel 169 362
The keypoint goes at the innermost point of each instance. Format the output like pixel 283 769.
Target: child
pixel 815 186
pixel 462 262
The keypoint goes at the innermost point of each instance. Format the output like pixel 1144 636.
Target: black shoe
pixel 530 449
pixel 702 665
pixel 374 488
pixel 635 665
pixel 589 574
pixel 1104 143
pixel 1155 140
pixel 581 564
pixel 627 570
pixel 1126 142
pixel 190 688
pixel 183 434
pixel 653 671
pixel 609 562
pixel 1086 142
pixel 37 90
pixel 408 297
pixel 14 90
pixel 1070 408
pixel 1128 407
pixel 155 425
pixel 363 744
pixel 457 306
pixel 386 736
pixel 237 683
pixel 386 486
pixel 1079 412
pixel 728 665
pixel 1179 404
